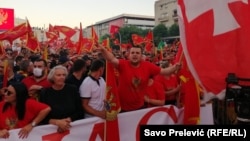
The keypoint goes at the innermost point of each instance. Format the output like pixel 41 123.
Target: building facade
pixel 166 12
pixel 102 27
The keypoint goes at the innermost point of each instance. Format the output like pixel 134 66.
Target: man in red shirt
pixel 38 80
pixel 134 74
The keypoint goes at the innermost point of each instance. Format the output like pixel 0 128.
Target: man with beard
pixel 38 80
pixel 134 74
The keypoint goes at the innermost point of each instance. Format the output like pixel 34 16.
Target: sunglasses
pixel 7 92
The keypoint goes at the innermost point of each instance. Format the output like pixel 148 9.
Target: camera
pixel 240 94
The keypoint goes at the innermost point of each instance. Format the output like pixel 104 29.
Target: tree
pixel 174 30
pixel 159 31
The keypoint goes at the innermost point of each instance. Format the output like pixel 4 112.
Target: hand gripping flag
pixel 214 36
pixel 112 104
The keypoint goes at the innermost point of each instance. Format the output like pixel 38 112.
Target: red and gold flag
pixel 32 42
pixel 137 39
pixel 14 33
pixel 190 91
pixel 87 44
pixel 112 104
pixel 114 29
pixel 94 35
pixel 67 31
pixel 106 43
pixel 6 19
pixel 80 41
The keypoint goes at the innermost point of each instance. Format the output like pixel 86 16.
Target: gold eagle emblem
pixel 3 17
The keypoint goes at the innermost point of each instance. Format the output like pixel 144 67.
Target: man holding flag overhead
pixel 133 76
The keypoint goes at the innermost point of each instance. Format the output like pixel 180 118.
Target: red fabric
pixel 67 31
pixel 51 36
pixel 114 29
pixel 155 91
pixel 168 82
pixel 14 33
pixel 137 39
pixel 94 35
pixel 29 81
pixel 7 19
pixel 190 96
pixel 87 44
pixel 132 82
pixel 149 36
pixel 113 102
pixel 8 119
pixel 214 48
pixel 80 41
pixel 32 42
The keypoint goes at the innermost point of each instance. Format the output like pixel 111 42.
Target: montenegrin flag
pixel 6 18
pixel 215 39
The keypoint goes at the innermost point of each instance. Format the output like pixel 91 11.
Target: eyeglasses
pixel 7 92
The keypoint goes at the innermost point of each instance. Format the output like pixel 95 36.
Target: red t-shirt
pixel 132 82
pixel 168 83
pixel 29 81
pixel 9 119
pixel 155 91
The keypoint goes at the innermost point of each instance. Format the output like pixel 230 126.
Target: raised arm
pixel 171 69
pixel 108 55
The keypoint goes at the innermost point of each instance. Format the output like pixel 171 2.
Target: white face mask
pixel 37 72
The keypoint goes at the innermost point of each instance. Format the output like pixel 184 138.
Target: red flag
pixel 137 39
pixel 114 29
pixel 87 44
pixel 112 104
pixel 51 28
pixel 106 43
pixel 214 48
pixel 190 94
pixel 67 31
pixel 80 41
pixel 51 35
pixel 94 35
pixel 32 42
pixel 6 19
pixel 14 33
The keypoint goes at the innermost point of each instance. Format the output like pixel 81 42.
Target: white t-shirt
pixel 90 89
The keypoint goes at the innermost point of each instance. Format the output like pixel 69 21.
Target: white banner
pixel 92 129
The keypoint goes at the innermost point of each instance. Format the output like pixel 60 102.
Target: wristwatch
pixel 33 124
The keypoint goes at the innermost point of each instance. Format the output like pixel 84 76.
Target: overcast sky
pixel 70 13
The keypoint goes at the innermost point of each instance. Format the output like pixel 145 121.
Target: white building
pixel 166 12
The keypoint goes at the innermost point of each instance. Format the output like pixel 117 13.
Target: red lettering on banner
pixel 55 136
pixel 170 111
pixel 98 129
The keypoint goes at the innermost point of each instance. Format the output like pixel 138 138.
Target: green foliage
pixel 160 31
pixel 104 37
pixel 174 30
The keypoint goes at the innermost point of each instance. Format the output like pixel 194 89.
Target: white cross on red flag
pixel 215 39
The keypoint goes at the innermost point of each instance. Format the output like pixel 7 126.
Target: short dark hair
pixel 96 65
pixel 78 65
pixel 19 58
pixel 24 64
pixel 39 60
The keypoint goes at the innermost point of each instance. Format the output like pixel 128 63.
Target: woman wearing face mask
pixel 18 111
pixel 38 80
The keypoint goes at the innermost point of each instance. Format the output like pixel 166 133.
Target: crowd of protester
pixel 64 86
